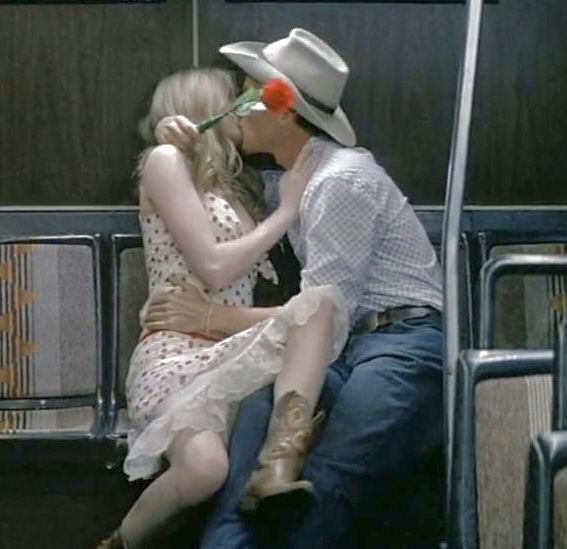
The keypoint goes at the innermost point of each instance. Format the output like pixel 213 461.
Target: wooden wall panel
pixel 520 125
pixel 74 82
pixel 404 61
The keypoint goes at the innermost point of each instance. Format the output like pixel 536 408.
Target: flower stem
pixel 249 97
pixel 210 122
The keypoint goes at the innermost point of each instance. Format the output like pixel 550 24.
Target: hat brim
pixel 249 57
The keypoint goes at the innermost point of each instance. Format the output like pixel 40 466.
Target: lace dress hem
pixel 210 402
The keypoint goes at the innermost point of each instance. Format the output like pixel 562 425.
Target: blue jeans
pixel 384 403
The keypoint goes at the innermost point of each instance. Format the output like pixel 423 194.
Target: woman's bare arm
pixel 167 183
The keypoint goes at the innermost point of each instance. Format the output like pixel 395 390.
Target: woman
pixel 200 216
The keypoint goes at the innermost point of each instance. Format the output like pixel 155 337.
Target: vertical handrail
pixel 456 175
pixel 196 35
pixel 560 379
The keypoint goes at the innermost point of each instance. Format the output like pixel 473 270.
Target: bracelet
pixel 208 321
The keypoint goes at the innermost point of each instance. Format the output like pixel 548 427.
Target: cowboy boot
pixel 281 459
pixel 113 542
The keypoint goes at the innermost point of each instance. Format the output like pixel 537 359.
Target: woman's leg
pixel 226 528
pixel 198 468
pixel 306 356
pixel 296 392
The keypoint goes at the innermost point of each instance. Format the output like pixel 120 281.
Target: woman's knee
pixel 326 308
pixel 211 468
pixel 318 321
pixel 202 461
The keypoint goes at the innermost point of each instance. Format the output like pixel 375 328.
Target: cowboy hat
pixel 314 71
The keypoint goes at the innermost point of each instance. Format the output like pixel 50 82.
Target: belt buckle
pixel 366 323
pixel 372 320
pixel 383 319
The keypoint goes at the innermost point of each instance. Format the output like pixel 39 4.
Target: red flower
pixel 277 96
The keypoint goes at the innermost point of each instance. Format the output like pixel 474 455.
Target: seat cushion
pixel 70 420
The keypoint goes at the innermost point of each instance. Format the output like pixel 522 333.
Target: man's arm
pixel 339 218
pixel 226 320
pixel 190 311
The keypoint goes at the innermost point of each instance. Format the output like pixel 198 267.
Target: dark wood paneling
pixel 520 124
pixel 75 81
pixel 404 61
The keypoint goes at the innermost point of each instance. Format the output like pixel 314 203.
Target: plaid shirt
pixel 357 230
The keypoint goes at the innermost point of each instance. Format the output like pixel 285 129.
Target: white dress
pixel 178 381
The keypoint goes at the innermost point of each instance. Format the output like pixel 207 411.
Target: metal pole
pixel 195 29
pixel 452 216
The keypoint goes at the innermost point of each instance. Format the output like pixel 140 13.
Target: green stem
pixel 210 122
pixel 251 95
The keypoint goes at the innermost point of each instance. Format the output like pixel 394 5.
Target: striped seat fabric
pixel 48 339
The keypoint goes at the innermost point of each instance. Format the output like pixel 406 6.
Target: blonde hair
pixel 214 161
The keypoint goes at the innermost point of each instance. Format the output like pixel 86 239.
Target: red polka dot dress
pixel 178 381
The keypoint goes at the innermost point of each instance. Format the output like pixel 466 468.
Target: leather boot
pixel 281 459
pixel 113 542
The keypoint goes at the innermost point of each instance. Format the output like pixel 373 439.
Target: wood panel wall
pixel 75 80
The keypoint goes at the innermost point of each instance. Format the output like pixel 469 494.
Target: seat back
pixel 560 509
pixel 129 292
pixel 503 400
pixel 510 412
pixel 523 295
pixel 50 347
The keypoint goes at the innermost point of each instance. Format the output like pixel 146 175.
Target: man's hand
pixel 186 311
pixel 178 131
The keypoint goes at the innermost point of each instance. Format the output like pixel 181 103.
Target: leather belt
pixel 372 320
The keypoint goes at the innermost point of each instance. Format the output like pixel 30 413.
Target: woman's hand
pixel 293 182
pixel 186 311
pixel 178 131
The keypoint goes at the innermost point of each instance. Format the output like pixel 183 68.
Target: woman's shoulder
pixel 163 155
pixel 163 164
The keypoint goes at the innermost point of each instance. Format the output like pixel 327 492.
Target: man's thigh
pixel 388 414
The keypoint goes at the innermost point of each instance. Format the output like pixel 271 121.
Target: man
pixel 357 231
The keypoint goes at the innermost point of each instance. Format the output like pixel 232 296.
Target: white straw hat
pixel 315 72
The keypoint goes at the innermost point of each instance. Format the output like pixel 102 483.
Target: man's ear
pixel 286 118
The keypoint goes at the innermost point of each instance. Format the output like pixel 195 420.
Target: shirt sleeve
pixel 338 221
